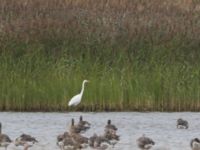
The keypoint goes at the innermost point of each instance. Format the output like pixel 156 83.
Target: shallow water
pixel 161 127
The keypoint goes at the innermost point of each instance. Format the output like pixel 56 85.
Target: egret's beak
pixel 88 81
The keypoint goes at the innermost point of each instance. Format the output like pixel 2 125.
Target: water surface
pixel 161 127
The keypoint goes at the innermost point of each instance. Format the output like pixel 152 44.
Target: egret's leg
pixel 76 108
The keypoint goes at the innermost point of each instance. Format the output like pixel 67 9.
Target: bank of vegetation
pixel 139 55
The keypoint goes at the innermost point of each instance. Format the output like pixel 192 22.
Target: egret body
pixel 77 98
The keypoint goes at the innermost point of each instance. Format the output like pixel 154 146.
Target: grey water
pixel 161 127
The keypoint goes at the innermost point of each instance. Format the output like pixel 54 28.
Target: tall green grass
pixel 139 55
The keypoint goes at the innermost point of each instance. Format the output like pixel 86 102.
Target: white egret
pixel 77 98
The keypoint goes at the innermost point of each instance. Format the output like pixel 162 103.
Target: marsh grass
pixel 139 55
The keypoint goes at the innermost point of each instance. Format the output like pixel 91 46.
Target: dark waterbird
pixel 110 126
pixel 99 142
pixel 83 125
pixel 74 128
pixel 80 140
pixel 65 141
pixel 111 135
pixel 62 136
pixel 182 124
pixel 25 138
pixel 145 143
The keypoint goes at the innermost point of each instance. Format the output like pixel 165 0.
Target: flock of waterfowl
pixel 146 143
pixel 73 138
pixel 24 140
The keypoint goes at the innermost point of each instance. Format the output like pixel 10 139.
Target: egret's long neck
pixel 82 90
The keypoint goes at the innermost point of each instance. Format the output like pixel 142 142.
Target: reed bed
pixel 139 55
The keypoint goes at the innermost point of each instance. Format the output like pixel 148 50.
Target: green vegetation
pixel 139 55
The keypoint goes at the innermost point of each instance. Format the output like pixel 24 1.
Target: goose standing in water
pixel 182 124
pixel 25 140
pixel 83 125
pixel 65 141
pixel 74 128
pixel 99 142
pixel 69 144
pixel 111 136
pixel 80 140
pixel 72 139
pixel 110 133
pixel 110 126
pixel 145 143
pixel 61 137
pixel 4 139
pixel 195 144
pixel 76 137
